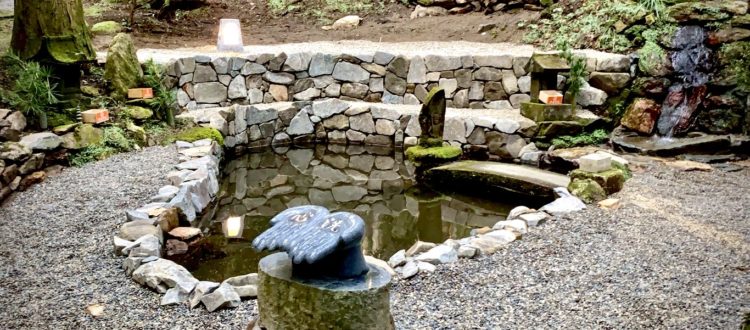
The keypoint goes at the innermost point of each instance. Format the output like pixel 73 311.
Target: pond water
pixel 375 183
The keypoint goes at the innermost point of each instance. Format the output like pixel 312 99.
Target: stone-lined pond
pixel 375 183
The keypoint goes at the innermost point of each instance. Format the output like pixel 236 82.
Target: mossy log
pixel 51 31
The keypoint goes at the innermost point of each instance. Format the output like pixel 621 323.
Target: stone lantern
pixel 544 69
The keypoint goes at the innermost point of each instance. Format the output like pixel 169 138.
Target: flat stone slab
pixel 495 177
pixel 661 146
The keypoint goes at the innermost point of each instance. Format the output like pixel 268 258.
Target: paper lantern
pixel 230 36
pixel 233 227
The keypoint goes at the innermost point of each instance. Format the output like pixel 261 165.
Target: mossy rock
pixel 199 133
pixel 611 180
pixel 62 129
pixel 433 154
pixel 654 60
pixel 84 135
pixel 123 71
pixel 138 113
pixel 707 11
pixel 626 172
pixel 90 91
pixel 137 132
pixel 426 142
pixel 587 190
pixel 106 28
pixel 55 119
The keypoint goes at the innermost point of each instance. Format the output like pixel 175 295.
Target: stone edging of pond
pixel 141 239
pixel 194 184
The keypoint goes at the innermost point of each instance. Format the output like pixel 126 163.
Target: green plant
pixel 588 138
pixel 278 6
pixel 736 56
pixel 91 154
pixel 578 74
pixel 117 139
pixel 114 140
pixel 32 92
pixel 657 7
pixel 588 24
pixel 164 100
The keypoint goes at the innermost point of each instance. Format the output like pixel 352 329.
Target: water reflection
pixel 377 184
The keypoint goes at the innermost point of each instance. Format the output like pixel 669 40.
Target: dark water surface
pixel 375 183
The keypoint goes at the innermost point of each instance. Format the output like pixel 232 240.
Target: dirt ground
pixel 391 23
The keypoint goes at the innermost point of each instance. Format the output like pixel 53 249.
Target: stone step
pixel 497 178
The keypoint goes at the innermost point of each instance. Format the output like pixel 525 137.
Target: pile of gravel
pixel 675 255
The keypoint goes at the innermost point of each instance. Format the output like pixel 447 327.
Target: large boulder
pixel 123 71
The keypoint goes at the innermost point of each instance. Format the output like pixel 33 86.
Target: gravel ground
pixel 56 259
pixel 675 255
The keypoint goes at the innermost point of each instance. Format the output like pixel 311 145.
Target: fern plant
pixel 32 92
pixel 164 100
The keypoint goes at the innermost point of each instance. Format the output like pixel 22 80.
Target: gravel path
pixel 56 259
pixel 676 255
pixel 413 48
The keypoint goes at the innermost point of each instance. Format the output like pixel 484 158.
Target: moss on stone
pixel 587 190
pixel 83 136
pixel 625 170
pixel 122 70
pixel 55 119
pixel 139 113
pixel 90 90
pixel 653 59
pixel 442 153
pixel 106 27
pixel 430 142
pixel 199 133
pixel 611 180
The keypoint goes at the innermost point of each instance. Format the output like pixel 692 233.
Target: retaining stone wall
pixel 486 81
pixel 499 134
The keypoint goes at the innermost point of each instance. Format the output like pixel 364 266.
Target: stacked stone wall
pixel 478 82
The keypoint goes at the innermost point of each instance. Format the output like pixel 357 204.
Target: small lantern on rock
pixel 233 227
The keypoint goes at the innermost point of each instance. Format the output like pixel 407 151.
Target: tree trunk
pixel 54 33
pixel 51 30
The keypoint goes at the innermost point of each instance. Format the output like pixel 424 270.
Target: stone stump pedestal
pixel 286 302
